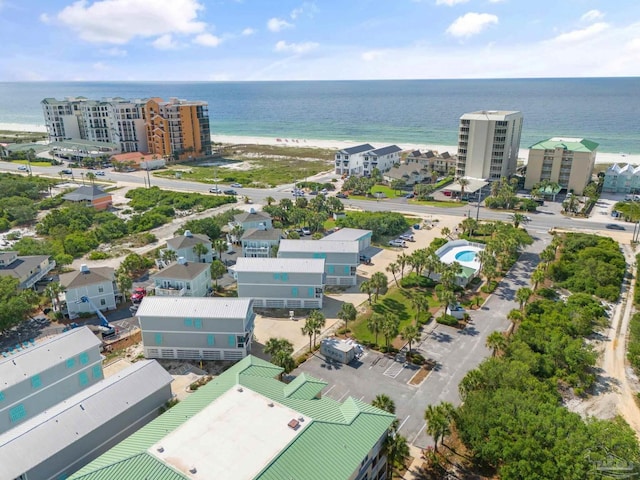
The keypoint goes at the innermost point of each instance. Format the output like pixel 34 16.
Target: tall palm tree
pixel 439 418
pixel 516 317
pixel 397 451
pixel 392 268
pixel 275 345
pixel 374 324
pixel 169 256
pixel 219 245
pixel 309 329
pixel 496 342
pixel 390 326
pixel 463 182
pixel 410 334
pixel 384 402
pixel 537 277
pixel 420 302
pixel 200 249
pixel 402 260
pixel 446 297
pixel 317 321
pixel 53 291
pixel 379 283
pixel 367 287
pixel 217 270
pixel 523 295
pixel 91 177
pixel 347 313
pixel 518 218
pixel 446 231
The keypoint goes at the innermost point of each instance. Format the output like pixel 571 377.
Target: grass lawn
pixel 396 301
pixel 329 224
pixel 436 203
pixel 388 192
pixel 34 163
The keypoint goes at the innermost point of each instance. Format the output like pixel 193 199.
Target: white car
pixel 398 243
pixel 22 168
pixel 100 173
pixel 408 237
pixel 215 190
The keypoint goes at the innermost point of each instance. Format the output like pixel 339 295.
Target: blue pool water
pixel 466 256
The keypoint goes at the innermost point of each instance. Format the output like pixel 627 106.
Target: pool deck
pixel 449 256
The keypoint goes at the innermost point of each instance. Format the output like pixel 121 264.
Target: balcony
pixel 171 291
pixel 31 281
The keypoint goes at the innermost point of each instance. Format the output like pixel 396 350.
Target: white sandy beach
pixel 602 157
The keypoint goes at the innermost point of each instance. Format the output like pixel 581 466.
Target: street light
pixel 478 206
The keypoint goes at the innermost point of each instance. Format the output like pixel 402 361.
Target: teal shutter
pixel 17 413
pixel 97 371
pixel 84 358
pixel 36 381
pixel 232 340
pixel 276 276
pixel 347 269
pixel 197 323
pixel 158 339
pixel 83 378
pixel 294 292
pixel 188 322
pixel 285 277
pixel 331 269
pixel 70 362
pixel 310 290
pixel 211 340
pixel 1 396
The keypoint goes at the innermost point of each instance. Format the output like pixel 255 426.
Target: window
pixel 232 340
pixel 311 291
pixel 103 302
pixel 17 413
pixel 96 371
pixel 347 269
pixel 240 341
pixel 83 358
pixel 331 269
pixel 100 289
pixel 158 339
pixel 1 396
pixel 70 362
pixel 294 292
pixel 188 322
pixel 83 378
pixel 36 381
pixel 211 340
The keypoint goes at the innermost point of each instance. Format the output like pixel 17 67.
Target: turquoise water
pixel 604 110
pixel 466 256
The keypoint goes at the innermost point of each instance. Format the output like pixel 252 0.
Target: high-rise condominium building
pixel 177 128
pixel 488 144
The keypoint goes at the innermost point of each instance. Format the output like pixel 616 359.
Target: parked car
pixel 66 171
pixel 408 237
pixel 230 192
pixel 364 259
pixel 409 195
pixel 398 243
pixel 100 173
pixel 236 185
pixel 298 193
pixel 313 192
pixel 138 294
pixel 215 190
pixel 23 168
pixel 324 191
pixel 615 226
pixel 306 231
pixel 342 195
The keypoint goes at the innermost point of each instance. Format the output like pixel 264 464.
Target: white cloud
pixel 113 52
pixel 119 21
pixel 307 7
pixel 633 45
pixel 303 47
pixel 592 15
pixel 582 34
pixel 165 42
pixel 277 24
pixel 100 66
pixel 248 31
pixel 371 55
pixel 44 18
pixel 471 24
pixel 207 40
pixel 450 3
pixel 496 1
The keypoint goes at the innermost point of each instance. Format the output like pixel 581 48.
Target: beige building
pixel 568 162
pixel 488 144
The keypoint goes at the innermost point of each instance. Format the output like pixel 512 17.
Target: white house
pixel 410 174
pixel 260 243
pixel 183 246
pixel 281 282
pixel 341 257
pixel 381 158
pixel 253 219
pixel 183 279
pixel 350 161
pixel 212 328
pixel 96 283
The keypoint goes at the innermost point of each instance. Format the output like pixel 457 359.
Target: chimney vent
pixel 182 260
pixel 84 268
pixel 160 448
pixel 293 424
pixel 270 404
pixel 240 389
pixel 193 470
pixel 187 233
pixel 252 210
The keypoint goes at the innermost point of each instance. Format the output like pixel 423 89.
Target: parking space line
pixel 342 397
pixel 418 434
pixel 332 387
pixel 405 421
pixel 394 370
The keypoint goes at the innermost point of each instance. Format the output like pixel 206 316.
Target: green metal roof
pixel 571 144
pixel 331 446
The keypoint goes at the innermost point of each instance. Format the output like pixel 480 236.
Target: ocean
pixel 605 110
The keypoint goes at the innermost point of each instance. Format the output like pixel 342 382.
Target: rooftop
pixel 289 265
pixel 365 147
pixel 386 150
pixel 495 115
pixel 86 192
pixel 33 442
pixel 251 216
pixel 187 240
pixel 339 435
pixel 200 307
pixel 569 144
pixel 338 344
pixel 43 355
pixel 21 267
pixel 91 276
pixel 260 234
pixel 319 246
pixel 347 235
pixel 182 271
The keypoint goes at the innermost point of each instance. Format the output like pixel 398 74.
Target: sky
pixel 249 40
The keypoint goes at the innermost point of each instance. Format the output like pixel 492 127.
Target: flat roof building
pixel 246 424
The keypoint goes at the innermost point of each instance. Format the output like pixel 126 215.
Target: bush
pixel 200 382
pixel 489 287
pixel 96 255
pixel 416 358
pixel 414 280
pixel 548 293
pixel 447 320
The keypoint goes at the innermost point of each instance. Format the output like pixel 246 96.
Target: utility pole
pixel 478 207
pixel 148 176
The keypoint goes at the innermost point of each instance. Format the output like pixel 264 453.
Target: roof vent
pixel 252 210
pixel 301 419
pixel 187 233
pixel 240 389
pixel 84 268
pixel 293 424
pixel 270 404
pixel 160 448
pixel 182 260
pixel 193 470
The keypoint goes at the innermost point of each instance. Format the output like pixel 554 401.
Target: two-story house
pixel 341 258
pixel 281 282
pixel 350 161
pixel 441 163
pixel 212 328
pixel 185 246
pixel 253 219
pixel 96 283
pixel 258 242
pixel 183 279
pixel 381 158
pixel 28 269
pixel 38 377
pixel 362 237
pixel 410 174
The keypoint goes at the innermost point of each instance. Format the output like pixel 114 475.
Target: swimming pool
pixel 465 256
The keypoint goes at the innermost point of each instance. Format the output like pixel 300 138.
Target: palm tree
pixel 367 287
pixel 410 334
pixel 420 302
pixel 537 277
pixel 347 313
pixel 390 326
pixel 200 249
pixel 446 231
pixel 379 283
pixel 169 256
pixel 397 451
pixel 384 402
pixel 468 225
pixel 91 177
pixel 316 321
pixel 516 317
pixel 309 329
pixel 438 418
pixel 275 345
pixel 270 200
pixel 53 291
pixel 219 245
pixel 463 182
pixel 402 261
pixel 496 342
pixel 446 297
pixel 518 218
pixel 393 269
pixel 217 269
pixel 374 324
pixel 523 295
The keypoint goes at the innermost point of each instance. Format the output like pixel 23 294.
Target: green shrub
pixel 489 287
pixel 416 358
pixel 414 280
pixel 447 320
pixel 548 293
pixel 96 255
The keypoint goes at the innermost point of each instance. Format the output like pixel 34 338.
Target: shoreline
pixel 601 158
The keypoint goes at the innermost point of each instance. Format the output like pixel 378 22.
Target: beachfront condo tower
pixel 176 129
pixel 488 144
pixel 566 161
